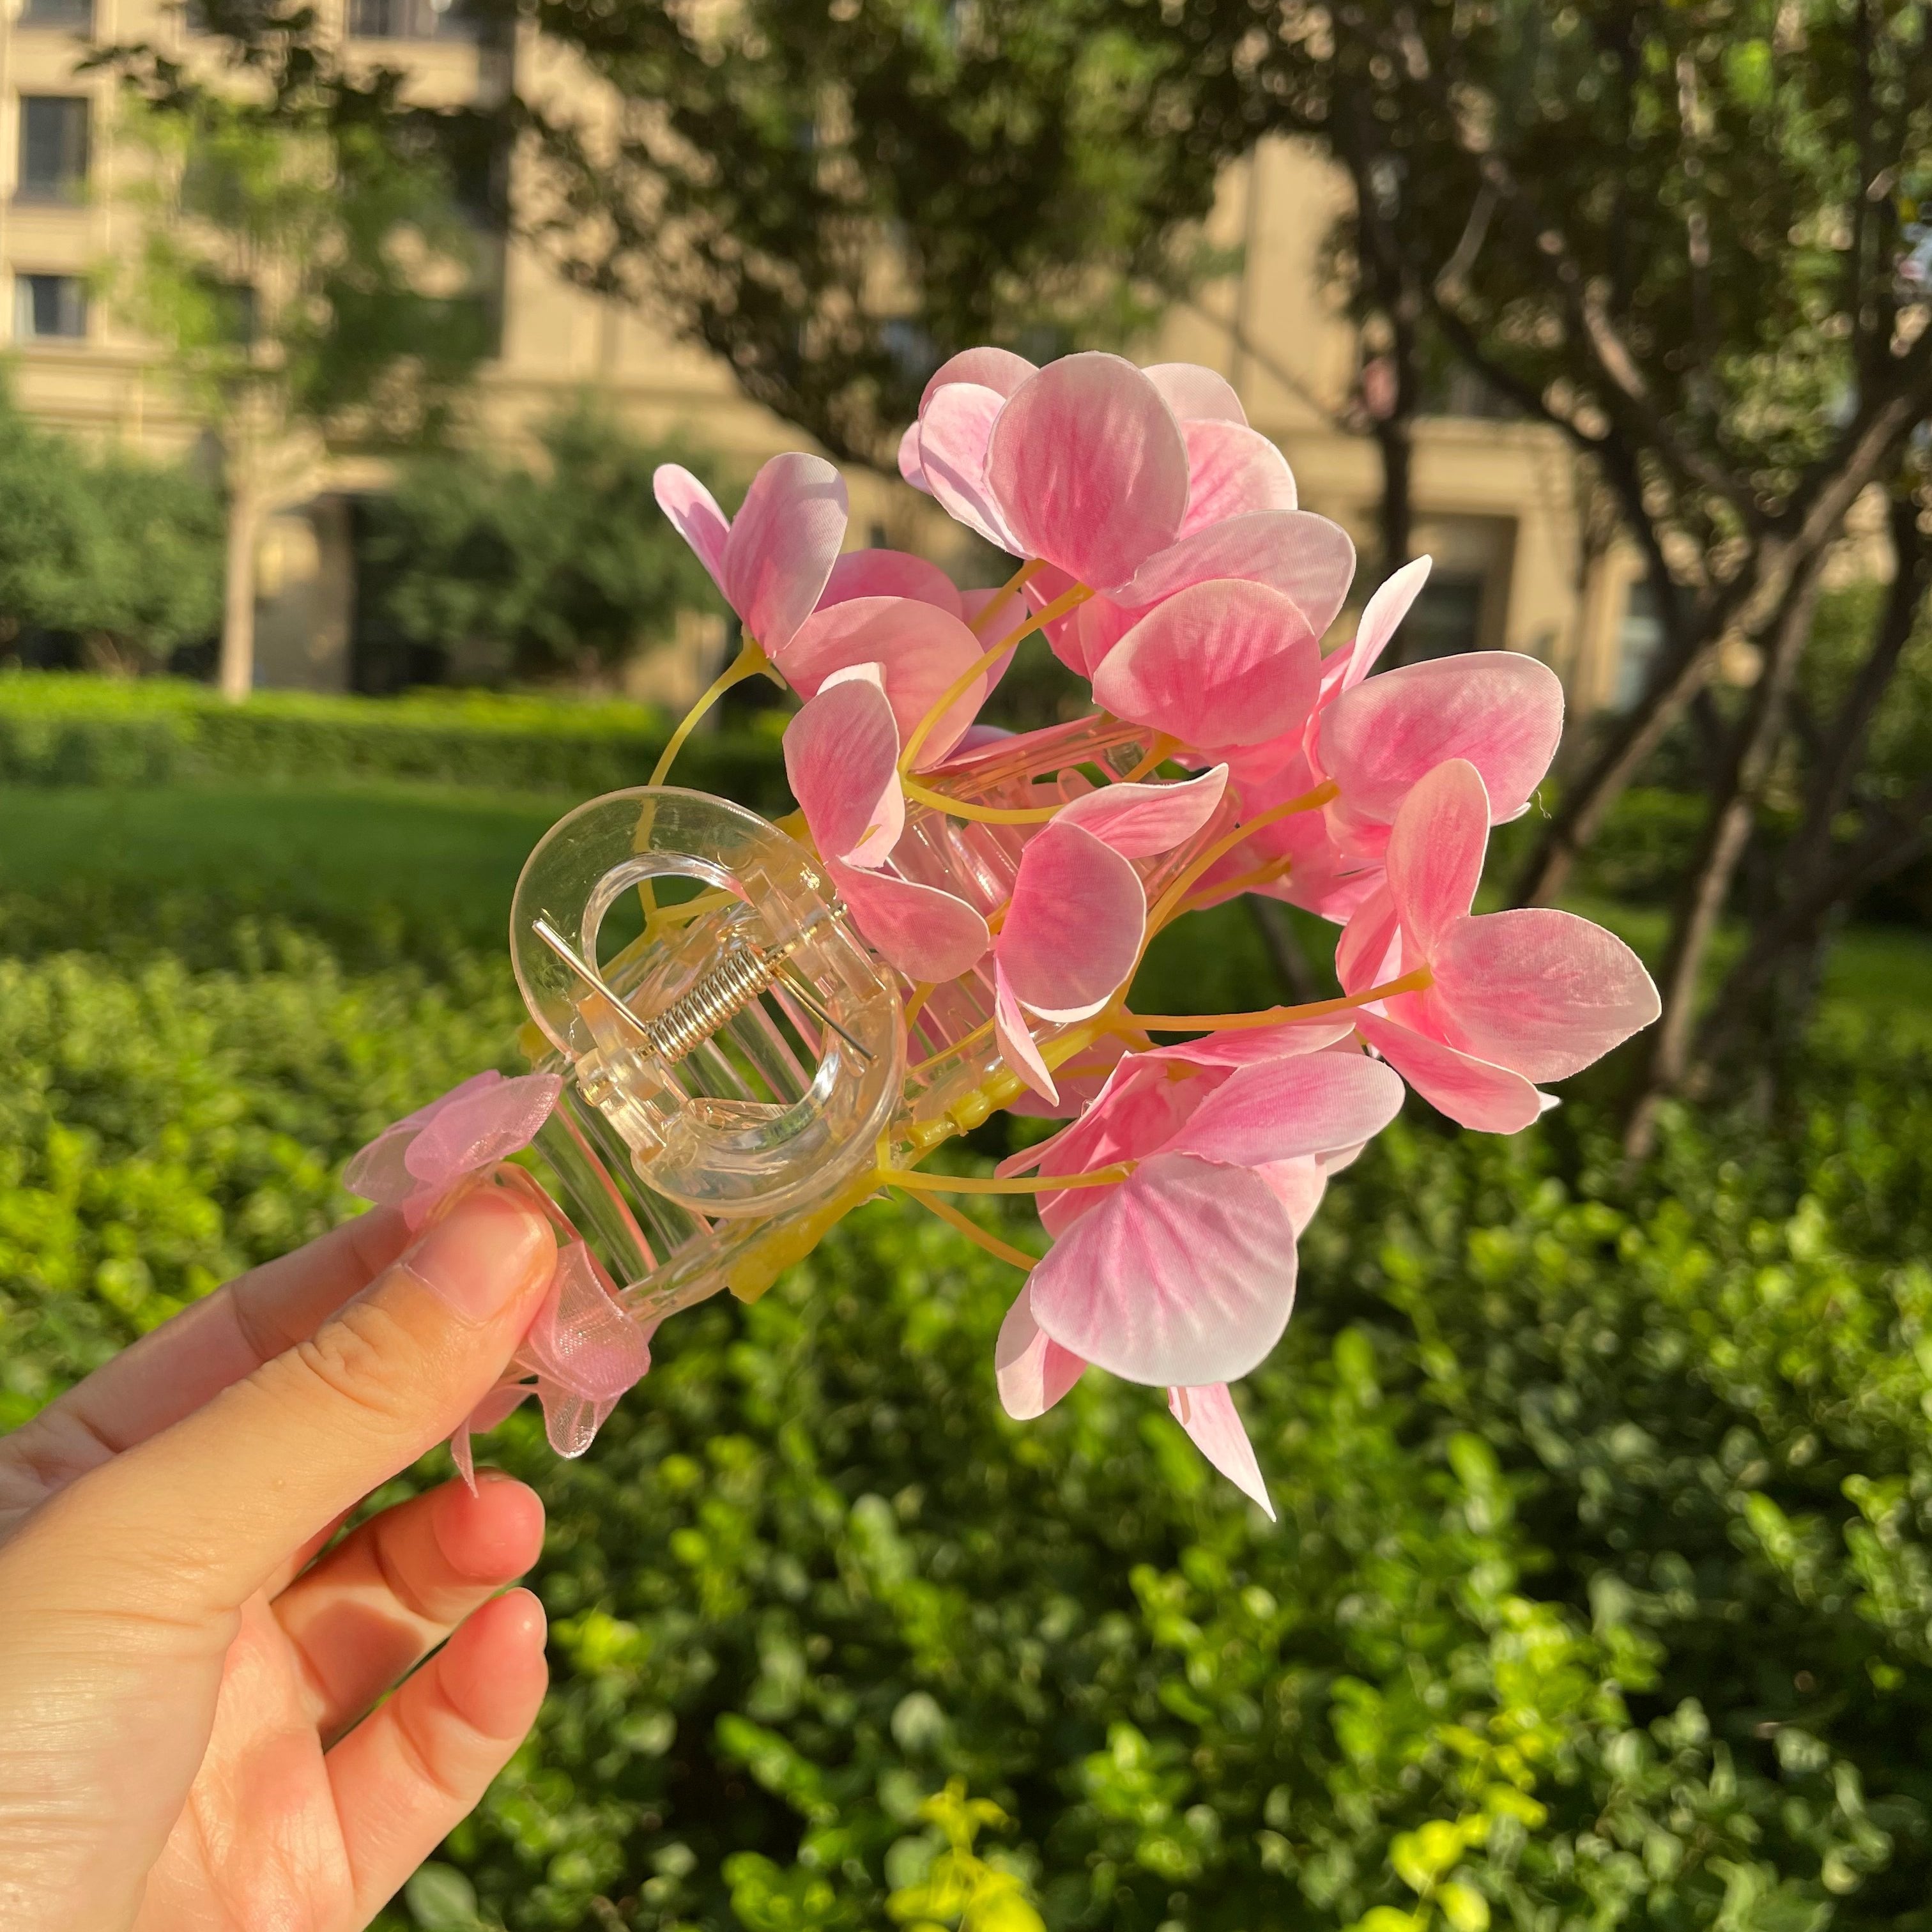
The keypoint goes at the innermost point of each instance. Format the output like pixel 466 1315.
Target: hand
pixel 183 1682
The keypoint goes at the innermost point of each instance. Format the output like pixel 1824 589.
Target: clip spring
pixel 730 986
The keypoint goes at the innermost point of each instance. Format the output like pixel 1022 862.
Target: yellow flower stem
pixel 915 1182
pixel 1015 583
pixel 747 663
pixel 971 1229
pixel 983 814
pixel 951 695
pixel 1242 882
pixel 1315 1009
pixel 1308 801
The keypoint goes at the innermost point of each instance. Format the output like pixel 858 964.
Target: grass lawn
pixel 426 866
pixel 436 860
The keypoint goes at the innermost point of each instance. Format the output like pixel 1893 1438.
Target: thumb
pixel 216 1502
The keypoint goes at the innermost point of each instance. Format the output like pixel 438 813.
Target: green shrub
pixel 569 567
pixel 60 729
pixel 1600 1595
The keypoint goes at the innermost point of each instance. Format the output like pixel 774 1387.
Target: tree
pixel 1678 235
pixel 569 568
pixel 123 554
pixel 302 264
pixel 834 198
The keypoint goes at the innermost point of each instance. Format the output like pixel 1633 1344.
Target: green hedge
pixel 1600 1597
pixel 57 729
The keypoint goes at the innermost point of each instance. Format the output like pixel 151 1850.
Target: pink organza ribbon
pixel 581 1351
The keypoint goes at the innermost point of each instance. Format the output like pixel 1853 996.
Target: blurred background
pixel 344 342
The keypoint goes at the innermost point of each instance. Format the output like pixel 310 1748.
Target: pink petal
pixel 1299 1185
pixel 1073 931
pixel 1089 467
pixel 1436 848
pixel 920 649
pixel 782 545
pixel 1138 820
pixel 379 1172
pixel 1014 1038
pixel 1210 1417
pixel 1500 709
pixel 1032 1369
pixel 891 573
pixel 1195 394
pixel 1473 1093
pixel 841 759
pixel 1184 1273
pixel 1222 663
pixel 423 1115
pixel 1232 471
pixel 1383 611
pixel 1544 992
pixel 954 434
pixel 581 1341
pixel 1252 1046
pixel 487 1125
pixel 1313 1103
pixel 929 935
pixel 695 514
pixel 997 369
pixel 1302 555
pixel 1370 953
pixel 910 468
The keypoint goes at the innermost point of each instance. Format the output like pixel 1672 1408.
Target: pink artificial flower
pixel 414 1163
pixel 1090 464
pixel 1375 738
pixel 1510 997
pixel 1183 1273
pixel 1073 930
pixel 772 561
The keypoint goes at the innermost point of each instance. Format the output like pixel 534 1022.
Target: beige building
pixel 1499 504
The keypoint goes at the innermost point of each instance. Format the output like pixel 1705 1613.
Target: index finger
pixel 193 1356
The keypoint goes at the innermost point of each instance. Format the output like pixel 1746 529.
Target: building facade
pixel 1499 504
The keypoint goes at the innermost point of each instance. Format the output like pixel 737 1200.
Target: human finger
pixel 190 1359
pixel 407 1774
pixel 389 1593
pixel 196 1518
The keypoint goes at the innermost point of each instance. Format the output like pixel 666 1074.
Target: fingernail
pixel 481 1255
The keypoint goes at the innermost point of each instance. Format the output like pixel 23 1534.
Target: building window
pixel 1639 638
pixel 72 16
pixel 53 147
pixel 49 308
pixel 1446 619
pixel 422 20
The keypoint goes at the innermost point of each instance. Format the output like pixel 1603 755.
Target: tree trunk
pixel 1816 873
pixel 237 598
pixel 1734 800
pixel 1283 946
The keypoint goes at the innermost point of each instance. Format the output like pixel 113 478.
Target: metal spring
pixel 724 992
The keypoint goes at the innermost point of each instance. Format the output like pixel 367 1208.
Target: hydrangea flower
pixel 1162 551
